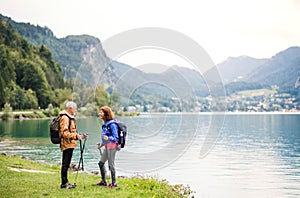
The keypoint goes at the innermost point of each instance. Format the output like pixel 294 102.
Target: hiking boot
pixel 102 183
pixel 67 186
pixel 113 185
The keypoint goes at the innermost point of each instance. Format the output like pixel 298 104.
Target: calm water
pixel 217 155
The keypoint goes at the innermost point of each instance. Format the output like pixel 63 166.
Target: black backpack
pixel 55 129
pixel 122 133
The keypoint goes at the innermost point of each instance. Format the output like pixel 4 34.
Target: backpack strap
pixel 111 122
pixel 109 128
pixel 69 120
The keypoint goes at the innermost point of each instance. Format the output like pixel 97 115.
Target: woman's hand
pixel 105 137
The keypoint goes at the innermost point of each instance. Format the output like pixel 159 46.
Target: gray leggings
pixel 108 154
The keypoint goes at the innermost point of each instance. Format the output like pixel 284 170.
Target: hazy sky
pixel 257 28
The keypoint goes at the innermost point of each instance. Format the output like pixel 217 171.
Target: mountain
pixel 174 82
pixel 77 55
pixel 83 58
pixel 236 69
pixel 246 73
pixel 282 69
pixel 194 79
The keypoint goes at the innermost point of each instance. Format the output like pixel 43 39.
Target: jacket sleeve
pixel 64 128
pixel 104 130
pixel 114 133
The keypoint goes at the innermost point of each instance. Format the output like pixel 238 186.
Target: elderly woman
pixel 110 139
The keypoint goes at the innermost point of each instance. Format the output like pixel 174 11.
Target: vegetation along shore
pixel 25 178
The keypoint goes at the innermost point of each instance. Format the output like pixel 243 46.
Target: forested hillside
pixel 68 51
pixel 29 75
pixel 31 78
pixel 37 36
pixel 282 69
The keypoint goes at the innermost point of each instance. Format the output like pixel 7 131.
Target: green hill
pixel 28 73
pixel 282 69
pixel 66 51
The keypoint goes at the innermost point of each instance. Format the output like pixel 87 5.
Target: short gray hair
pixel 71 105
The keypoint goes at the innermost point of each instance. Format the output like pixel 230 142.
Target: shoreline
pixel 221 113
pixel 167 113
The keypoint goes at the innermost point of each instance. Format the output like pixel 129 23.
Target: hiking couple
pixel 69 136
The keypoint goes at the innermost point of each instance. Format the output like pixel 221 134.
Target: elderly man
pixel 68 140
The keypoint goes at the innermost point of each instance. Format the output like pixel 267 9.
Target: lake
pixel 217 155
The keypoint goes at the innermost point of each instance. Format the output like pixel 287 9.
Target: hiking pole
pixel 100 148
pixel 101 153
pixel 81 154
pixel 82 163
pixel 81 160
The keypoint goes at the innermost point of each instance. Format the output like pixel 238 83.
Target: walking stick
pixel 100 150
pixel 81 161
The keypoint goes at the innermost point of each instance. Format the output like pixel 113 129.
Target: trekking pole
pixel 100 150
pixel 80 161
pixel 81 154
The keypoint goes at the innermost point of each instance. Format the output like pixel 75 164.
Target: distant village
pixel 263 100
pixel 255 101
pixel 263 103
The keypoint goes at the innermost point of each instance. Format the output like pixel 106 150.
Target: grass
pixel 36 184
pixel 256 92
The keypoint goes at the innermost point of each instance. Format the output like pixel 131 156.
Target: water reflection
pixel 24 128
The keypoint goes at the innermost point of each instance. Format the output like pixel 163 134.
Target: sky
pixel 231 28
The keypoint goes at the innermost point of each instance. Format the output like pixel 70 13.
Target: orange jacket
pixel 69 136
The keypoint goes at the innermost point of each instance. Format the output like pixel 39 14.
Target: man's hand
pixel 85 136
pixel 82 136
pixel 79 136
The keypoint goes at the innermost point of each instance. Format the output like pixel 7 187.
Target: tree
pixel 30 100
pixel 7 112
pixel 82 94
pixel 61 95
pixel 52 70
pixel 101 96
pixel 115 101
pixel 34 78
pixel 18 98
pixel 7 74
pixel 91 109
pixel 50 110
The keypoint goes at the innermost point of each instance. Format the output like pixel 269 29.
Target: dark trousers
pixel 66 160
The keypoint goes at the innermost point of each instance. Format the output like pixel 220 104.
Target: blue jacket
pixel 110 129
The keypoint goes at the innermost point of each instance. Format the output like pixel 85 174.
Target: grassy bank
pixel 24 178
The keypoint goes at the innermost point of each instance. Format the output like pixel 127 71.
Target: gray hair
pixel 71 105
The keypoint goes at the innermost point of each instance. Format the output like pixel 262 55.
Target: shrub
pixel 7 112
